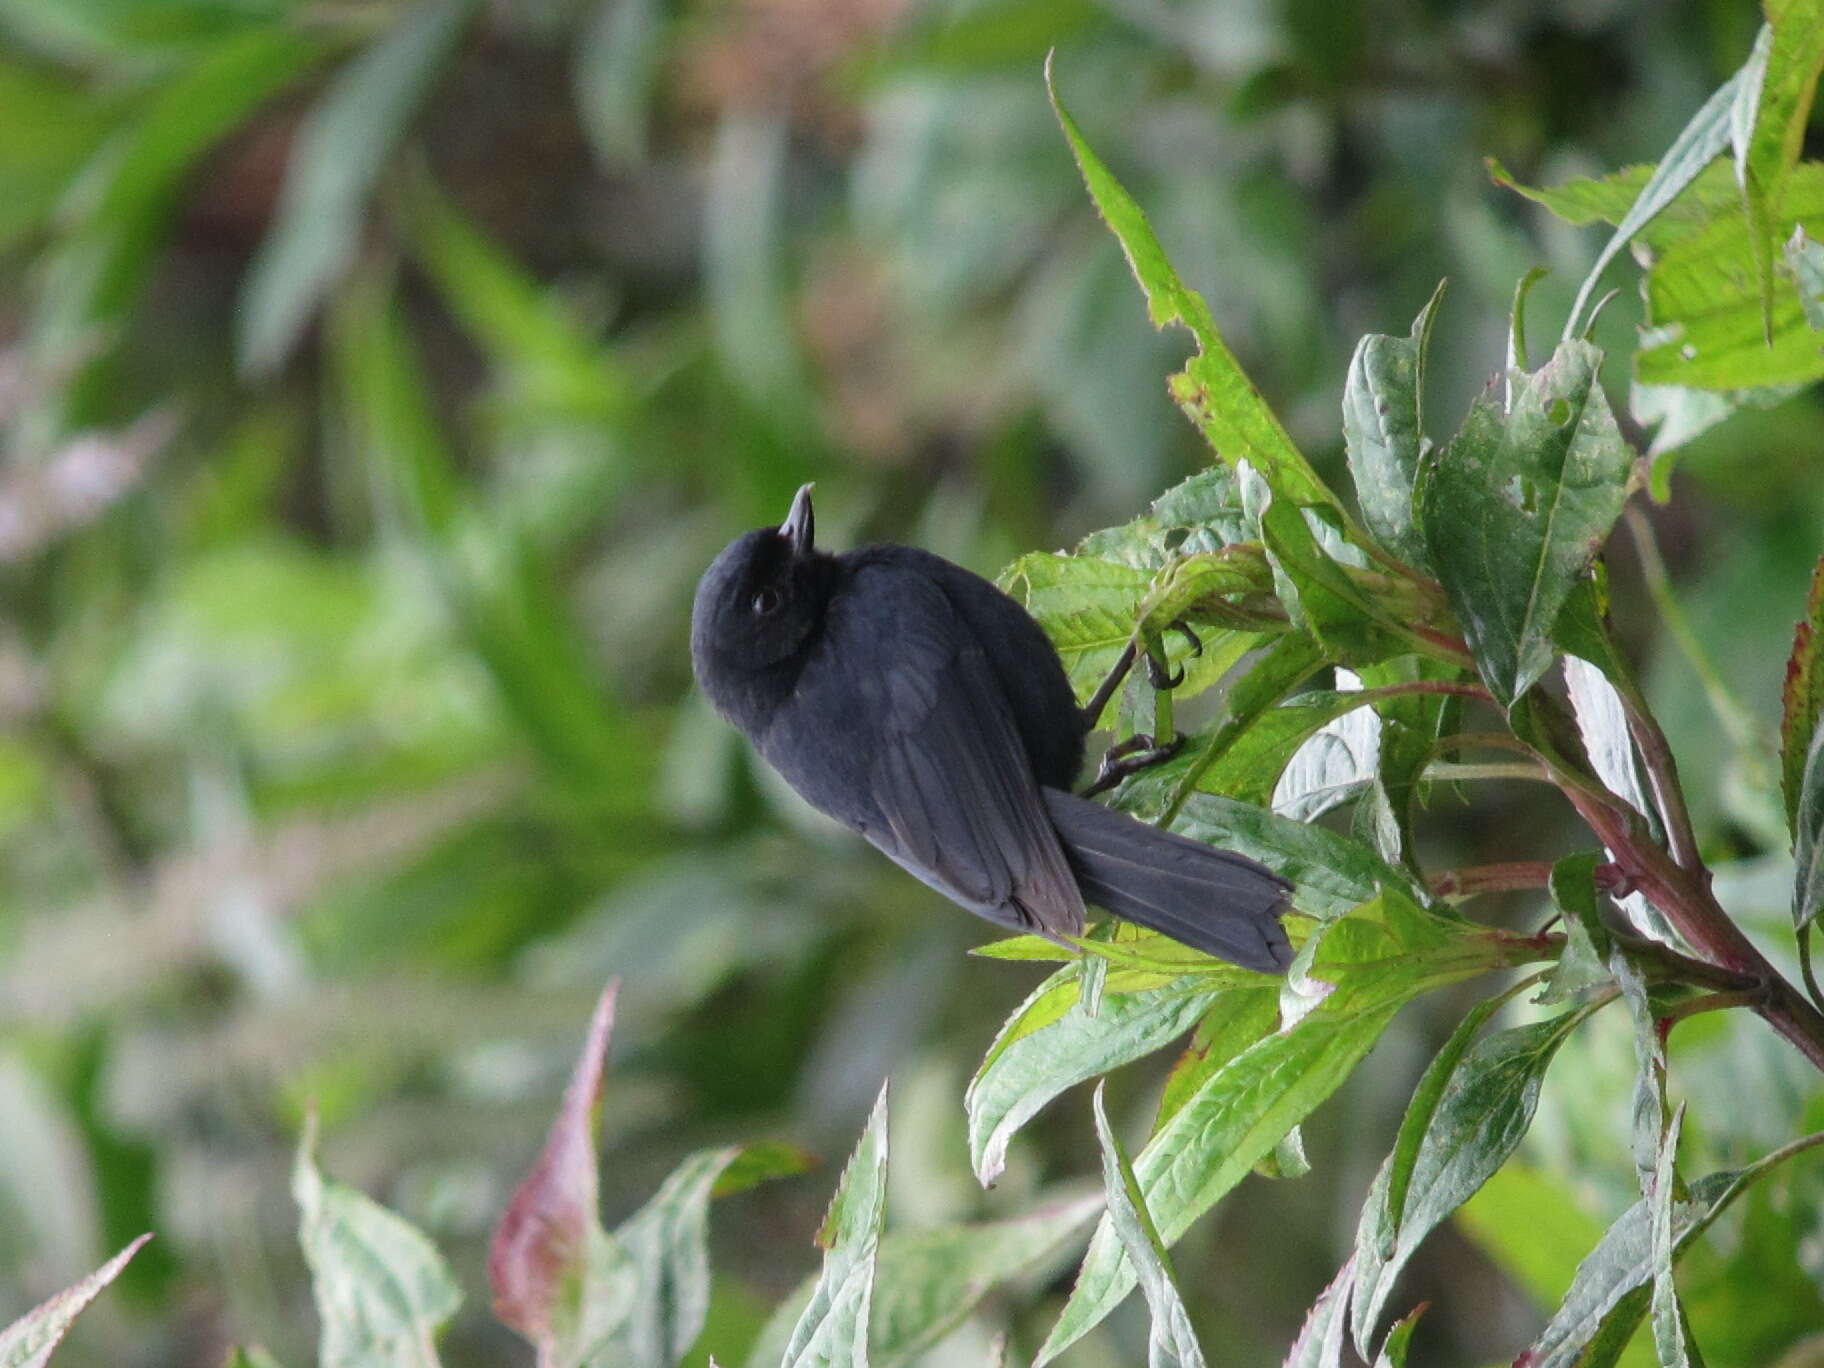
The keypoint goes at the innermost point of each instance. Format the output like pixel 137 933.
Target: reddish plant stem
pixel 1492 878
pixel 1431 686
pixel 1688 904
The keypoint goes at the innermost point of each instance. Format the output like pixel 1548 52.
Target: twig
pixel 1492 878
pixel 1712 1002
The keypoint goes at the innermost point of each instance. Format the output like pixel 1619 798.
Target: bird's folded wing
pixel 953 780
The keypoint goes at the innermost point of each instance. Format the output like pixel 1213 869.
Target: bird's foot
pixel 1127 757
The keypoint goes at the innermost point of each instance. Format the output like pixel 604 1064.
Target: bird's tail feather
pixel 1211 900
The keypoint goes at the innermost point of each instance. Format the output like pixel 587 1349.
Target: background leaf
pixel 339 158
pixel 29 1341
pixel 346 1236
pixel 1173 1343
pixel 833 1329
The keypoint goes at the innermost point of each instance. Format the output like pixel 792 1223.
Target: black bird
pixel 916 703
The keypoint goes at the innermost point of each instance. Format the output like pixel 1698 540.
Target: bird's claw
pixel 1128 757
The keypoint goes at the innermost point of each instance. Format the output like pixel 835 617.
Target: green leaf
pixel 28 1341
pixel 120 207
pixel 251 1356
pixel 496 584
pixel 1697 144
pixel 1092 608
pixel 1805 259
pixel 1808 844
pixel 1201 513
pixel 1469 1114
pixel 1384 429
pixel 558 1278
pixel 1670 1333
pixel 340 153
pixel 1772 109
pixel 833 1330
pixel 382 1290
pixel 1251 769
pixel 1607 199
pixel 1609 1296
pixel 1329 873
pixel 1317 591
pixel 1399 1339
pixel 1515 508
pixel 1172 1342
pixel 667 1244
pixel 1802 697
pixel 1235 1020
pixel 548 361
pixel 1704 313
pixel 1051 1043
pixel 1322 1337
pixel 1282 667
pixel 1366 966
pixel 929 1281
pixel 1212 388
pixel 1583 963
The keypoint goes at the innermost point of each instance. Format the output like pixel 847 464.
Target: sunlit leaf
pixel 1372 961
pixel 928 1281
pixel 28 1341
pixel 1093 608
pixel 832 1332
pixel 382 1290
pixel 1772 109
pixel 1172 1342
pixel 1051 1043
pixel 1516 506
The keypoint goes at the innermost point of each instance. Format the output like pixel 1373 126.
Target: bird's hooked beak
pixel 800 525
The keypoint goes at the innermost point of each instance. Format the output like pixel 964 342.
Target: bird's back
pixel 1020 655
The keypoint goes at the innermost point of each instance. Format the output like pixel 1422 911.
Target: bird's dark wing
pixel 952 780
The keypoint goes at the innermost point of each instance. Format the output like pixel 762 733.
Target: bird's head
pixel 760 600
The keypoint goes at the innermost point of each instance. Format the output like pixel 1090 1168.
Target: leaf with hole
pixel 1517 505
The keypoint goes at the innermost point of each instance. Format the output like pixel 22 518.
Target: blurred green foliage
pixel 377 377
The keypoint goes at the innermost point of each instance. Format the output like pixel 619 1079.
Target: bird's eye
pixel 766 601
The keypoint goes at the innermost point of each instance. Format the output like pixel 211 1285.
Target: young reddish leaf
pixel 28 1341
pixel 1803 696
pixel 549 1248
